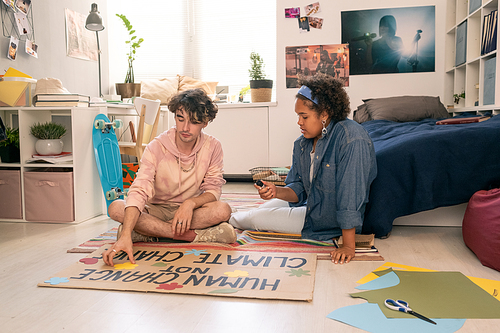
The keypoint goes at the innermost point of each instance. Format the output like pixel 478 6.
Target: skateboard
pixel 107 157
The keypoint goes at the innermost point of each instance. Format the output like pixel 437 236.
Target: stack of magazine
pixel 61 100
pixel 489 34
pixel 64 157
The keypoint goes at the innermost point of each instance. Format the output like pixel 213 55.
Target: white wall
pixel 78 76
pixel 283 128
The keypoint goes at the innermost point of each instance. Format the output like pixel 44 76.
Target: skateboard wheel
pixel 117 123
pixel 99 124
pixel 111 195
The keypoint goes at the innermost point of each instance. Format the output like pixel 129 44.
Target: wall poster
pixel 309 60
pixel 392 40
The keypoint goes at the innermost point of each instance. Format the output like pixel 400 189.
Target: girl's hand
pixel 268 191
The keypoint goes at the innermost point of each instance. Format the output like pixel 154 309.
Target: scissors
pixel 404 306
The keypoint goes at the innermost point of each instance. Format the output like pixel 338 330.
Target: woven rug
pixel 247 240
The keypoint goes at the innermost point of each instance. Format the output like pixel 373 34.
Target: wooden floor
pixel 32 252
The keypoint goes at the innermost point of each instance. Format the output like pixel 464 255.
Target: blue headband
pixel 306 92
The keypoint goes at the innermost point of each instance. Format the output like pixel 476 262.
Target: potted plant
pixel 9 148
pixel 261 88
pixel 129 88
pixel 49 138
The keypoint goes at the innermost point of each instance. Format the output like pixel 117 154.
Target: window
pixel 209 40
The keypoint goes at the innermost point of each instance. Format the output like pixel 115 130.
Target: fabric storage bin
pixel 48 195
pixel 10 194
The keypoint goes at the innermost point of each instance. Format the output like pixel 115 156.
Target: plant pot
pixel 261 90
pixel 128 90
pixel 10 154
pixel 49 147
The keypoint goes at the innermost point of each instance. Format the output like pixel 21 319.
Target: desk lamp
pixel 94 23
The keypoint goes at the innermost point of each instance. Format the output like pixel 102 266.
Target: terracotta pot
pixel 128 90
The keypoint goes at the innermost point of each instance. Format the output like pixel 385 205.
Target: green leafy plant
pixel 457 97
pixel 12 137
pixel 256 67
pixel 134 43
pixel 47 131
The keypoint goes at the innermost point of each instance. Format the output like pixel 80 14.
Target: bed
pixel 422 165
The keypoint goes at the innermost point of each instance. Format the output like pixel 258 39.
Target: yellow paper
pixel 12 72
pixel 11 91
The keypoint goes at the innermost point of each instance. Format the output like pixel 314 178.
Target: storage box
pixel 16 91
pixel 48 195
pixel 10 194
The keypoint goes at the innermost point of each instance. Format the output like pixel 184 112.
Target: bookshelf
pixel 477 75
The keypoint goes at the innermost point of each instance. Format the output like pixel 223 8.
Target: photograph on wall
pixel 304 24
pixel 80 42
pixel 13 46
pixel 391 40
pixel 316 22
pixel 309 60
pixel 31 48
pixel 23 5
pixel 22 24
pixel 10 4
pixel 293 12
pixel 312 9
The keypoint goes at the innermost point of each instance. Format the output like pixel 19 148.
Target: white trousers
pixel 274 215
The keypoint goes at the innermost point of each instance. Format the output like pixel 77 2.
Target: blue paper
pixel 370 318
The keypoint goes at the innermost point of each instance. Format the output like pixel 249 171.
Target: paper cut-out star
pixel 160 264
pixel 169 286
pixel 56 280
pixel 196 252
pixel 298 272
pixel 127 265
pixel 89 261
pixel 236 273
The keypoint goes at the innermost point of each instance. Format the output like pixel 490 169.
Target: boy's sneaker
pixel 221 233
pixel 137 237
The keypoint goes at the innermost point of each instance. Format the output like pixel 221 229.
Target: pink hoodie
pixel 160 179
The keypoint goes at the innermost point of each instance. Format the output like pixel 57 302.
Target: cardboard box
pixel 49 195
pixel 16 91
pixel 10 194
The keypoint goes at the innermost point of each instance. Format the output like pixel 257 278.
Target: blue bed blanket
pixel 423 166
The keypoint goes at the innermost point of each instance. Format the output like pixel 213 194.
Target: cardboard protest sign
pixel 263 275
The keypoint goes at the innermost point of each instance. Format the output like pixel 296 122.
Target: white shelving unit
pixel 469 76
pixel 87 193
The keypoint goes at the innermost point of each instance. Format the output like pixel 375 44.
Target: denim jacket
pixel 343 169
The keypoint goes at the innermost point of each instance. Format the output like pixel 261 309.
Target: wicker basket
pixel 275 175
pixel 261 95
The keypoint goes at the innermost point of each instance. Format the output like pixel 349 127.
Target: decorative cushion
pixel 481 227
pixel 402 108
pixel 186 83
pixel 162 89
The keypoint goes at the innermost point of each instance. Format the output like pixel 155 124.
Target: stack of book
pixel 489 34
pixel 61 100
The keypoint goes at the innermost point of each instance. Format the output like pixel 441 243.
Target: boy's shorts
pixel 163 212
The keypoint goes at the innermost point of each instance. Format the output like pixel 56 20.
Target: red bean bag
pixel 481 227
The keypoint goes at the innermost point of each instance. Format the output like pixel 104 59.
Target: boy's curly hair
pixel 197 104
pixel 330 93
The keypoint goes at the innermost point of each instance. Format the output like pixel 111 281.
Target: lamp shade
pixel 94 20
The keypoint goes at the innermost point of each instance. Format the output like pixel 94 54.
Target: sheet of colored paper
pixel 436 295
pixel 491 286
pixel 368 317
pixel 12 72
pixel 390 279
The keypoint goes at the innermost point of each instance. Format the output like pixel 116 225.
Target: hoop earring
pixel 324 131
